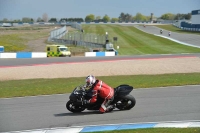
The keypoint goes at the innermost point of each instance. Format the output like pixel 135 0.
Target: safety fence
pixel 60 32
pixel 82 39
pixel 57 33
pixel 77 38
pixel 75 25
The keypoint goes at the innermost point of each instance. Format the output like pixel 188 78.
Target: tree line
pixel 126 17
pixel 123 17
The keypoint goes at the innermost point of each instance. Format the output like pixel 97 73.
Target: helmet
pixel 90 80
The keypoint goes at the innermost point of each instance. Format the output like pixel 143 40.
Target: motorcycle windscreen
pixel 123 90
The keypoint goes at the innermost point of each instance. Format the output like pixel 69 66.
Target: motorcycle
pixel 122 99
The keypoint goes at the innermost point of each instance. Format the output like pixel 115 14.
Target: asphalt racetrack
pixel 56 60
pixel 182 37
pixel 153 105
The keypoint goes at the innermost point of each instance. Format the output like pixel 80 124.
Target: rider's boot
pixel 110 108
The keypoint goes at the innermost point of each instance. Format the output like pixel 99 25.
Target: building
pixel 193 25
pixel 195 17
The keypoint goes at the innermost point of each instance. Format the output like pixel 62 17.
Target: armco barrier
pixel 99 54
pixel 24 55
pixel 39 54
pixel 44 54
pixel 8 55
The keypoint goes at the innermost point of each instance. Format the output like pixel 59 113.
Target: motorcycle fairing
pixel 123 90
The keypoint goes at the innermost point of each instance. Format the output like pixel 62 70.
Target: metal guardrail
pixel 57 33
pixel 77 38
pixel 79 43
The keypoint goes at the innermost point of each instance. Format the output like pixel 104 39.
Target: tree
pixel 53 20
pixel 81 20
pixel 128 17
pixel 125 17
pixel 122 17
pixel 45 17
pixel 114 19
pixel 5 20
pixel 40 20
pixel 168 16
pixel 182 16
pixel 106 18
pixel 78 19
pixel 63 20
pixel 70 19
pixel 188 16
pixel 89 18
pixel 16 20
pixel 27 20
pixel 148 18
pixel 138 17
pixel 98 17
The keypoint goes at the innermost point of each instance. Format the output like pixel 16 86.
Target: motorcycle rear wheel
pixel 126 103
pixel 74 108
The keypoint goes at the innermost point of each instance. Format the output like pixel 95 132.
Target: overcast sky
pixel 17 9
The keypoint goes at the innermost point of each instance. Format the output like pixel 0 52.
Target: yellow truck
pixel 57 51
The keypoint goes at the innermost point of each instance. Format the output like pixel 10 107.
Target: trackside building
pixel 195 17
pixel 195 22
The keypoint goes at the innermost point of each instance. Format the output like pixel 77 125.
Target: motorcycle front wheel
pixel 126 103
pixel 74 108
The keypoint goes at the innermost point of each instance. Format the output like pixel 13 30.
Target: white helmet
pixel 90 80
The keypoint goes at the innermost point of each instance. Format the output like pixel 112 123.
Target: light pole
pixel 107 40
pixel 95 39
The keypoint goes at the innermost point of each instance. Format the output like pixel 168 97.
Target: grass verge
pixel 12 42
pixel 156 130
pixel 17 41
pixel 32 87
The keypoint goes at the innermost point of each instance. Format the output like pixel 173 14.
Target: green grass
pixel 17 41
pixel 135 42
pixel 156 130
pixel 12 42
pixel 32 87
pixel 175 29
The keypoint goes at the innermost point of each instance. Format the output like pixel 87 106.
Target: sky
pixel 17 9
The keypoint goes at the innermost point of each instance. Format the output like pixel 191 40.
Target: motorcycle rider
pixel 99 88
pixel 161 31
pixel 169 33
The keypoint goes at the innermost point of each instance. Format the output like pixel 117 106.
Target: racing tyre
pixel 126 103
pixel 74 108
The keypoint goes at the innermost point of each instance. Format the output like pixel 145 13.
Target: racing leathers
pixel 104 91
